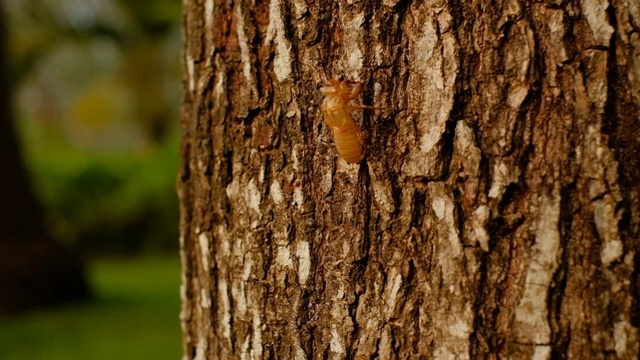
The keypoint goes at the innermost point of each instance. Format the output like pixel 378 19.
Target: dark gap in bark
pixel 366 203
pixel 394 343
pixel 312 348
pixel 290 35
pixel 291 233
pixel 210 315
pixel 185 173
pixel 512 193
pixel 208 167
pixel 418 208
pixel 402 6
pixel 396 193
pixel 479 347
pixel 376 354
pixel 267 175
pixel 458 214
pixel 357 273
pixel 625 148
pixel 232 333
pixel 266 249
pixel 353 308
pixel 559 339
pixel 328 28
pixel 325 352
pixel 247 121
pixel 413 280
pixel 446 141
pixel 635 291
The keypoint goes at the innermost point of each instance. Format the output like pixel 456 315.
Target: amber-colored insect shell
pixel 337 114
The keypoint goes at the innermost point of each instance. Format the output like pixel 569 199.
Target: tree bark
pixel 497 211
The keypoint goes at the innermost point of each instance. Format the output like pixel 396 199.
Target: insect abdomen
pixel 349 148
pixel 348 144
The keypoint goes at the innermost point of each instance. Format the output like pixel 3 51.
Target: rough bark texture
pixel 34 270
pixel 497 211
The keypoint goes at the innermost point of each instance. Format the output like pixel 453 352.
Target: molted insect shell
pixel 337 113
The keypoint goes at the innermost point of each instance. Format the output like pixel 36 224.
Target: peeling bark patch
pixel 276 32
pixel 256 343
pixel 327 181
pixel 205 299
pixel 532 314
pixel 201 349
pixel 441 78
pixel 351 45
pixel 382 195
pixel 460 329
pixel 298 197
pixel 439 207
pixel 190 73
pixel 303 252
pixel 604 216
pixel 557 30
pixel 300 354
pixel 283 256
pixel 335 344
pixel 219 88
pixel 599 168
pixel 451 282
pixel 596 13
pixel 443 207
pixel 244 47
pixel 479 222
pixel 435 73
pixel 204 248
pixel 254 196
pixel 208 16
pixel 225 309
pixel 626 338
pixel 245 354
pixel 541 353
pixel 248 266
pixel 276 192
pixel 394 284
pixel 239 296
pixel 503 175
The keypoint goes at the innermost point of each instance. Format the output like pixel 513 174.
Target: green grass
pixel 134 315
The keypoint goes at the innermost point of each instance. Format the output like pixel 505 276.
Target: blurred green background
pixel 96 97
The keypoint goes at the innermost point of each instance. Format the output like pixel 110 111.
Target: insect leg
pixel 356 89
pixel 354 94
pixel 361 106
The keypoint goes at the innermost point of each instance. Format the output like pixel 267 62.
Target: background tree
pixel 34 270
pixel 496 214
pixel 96 96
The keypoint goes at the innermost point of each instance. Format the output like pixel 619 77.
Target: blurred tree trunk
pixel 34 270
pixel 496 215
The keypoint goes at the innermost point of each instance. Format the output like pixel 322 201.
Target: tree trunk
pixel 35 271
pixel 497 211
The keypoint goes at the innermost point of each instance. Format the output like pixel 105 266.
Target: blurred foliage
pixel 112 202
pixel 98 91
pixel 133 317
